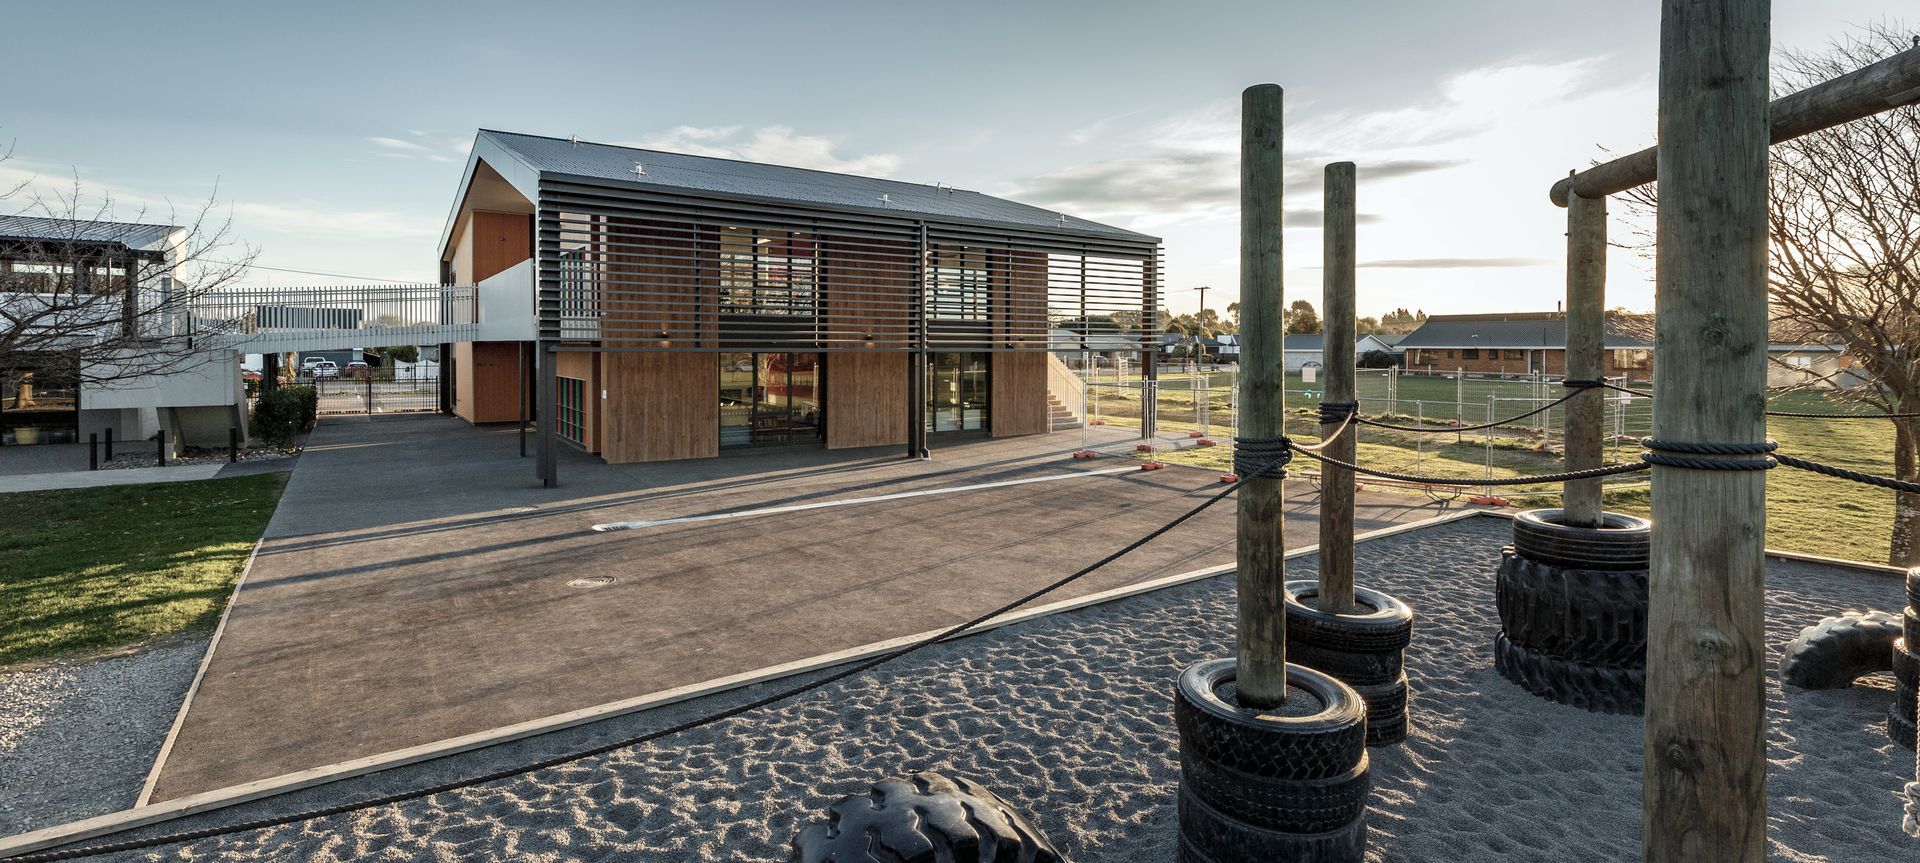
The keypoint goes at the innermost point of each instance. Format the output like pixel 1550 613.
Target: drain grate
pixel 592 581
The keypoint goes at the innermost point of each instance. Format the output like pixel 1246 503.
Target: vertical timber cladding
pixel 662 403
pixel 866 291
pixel 488 382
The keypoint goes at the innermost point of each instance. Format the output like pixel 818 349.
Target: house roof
pixel 1516 330
pixel 1304 341
pixel 1068 341
pixel 132 235
pixel 733 177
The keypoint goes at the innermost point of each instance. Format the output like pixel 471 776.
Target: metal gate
pixel 380 392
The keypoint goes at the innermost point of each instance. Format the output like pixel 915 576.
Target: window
pixel 570 420
pixel 766 272
pixel 1516 355
pixel 1449 354
pixel 770 398
pixel 959 284
pixel 1470 354
pixel 1632 359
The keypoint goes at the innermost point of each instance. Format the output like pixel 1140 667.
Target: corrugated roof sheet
pixel 1515 330
pixel 752 179
pixel 131 234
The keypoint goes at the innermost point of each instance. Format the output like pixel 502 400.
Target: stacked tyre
pixel 1364 648
pixel 923 818
pixel 1901 715
pixel 1573 610
pixel 1289 784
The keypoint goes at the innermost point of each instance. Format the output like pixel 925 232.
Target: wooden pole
pixel 1864 92
pixel 1705 794
pixel 1261 637
pixel 1586 346
pixel 1336 303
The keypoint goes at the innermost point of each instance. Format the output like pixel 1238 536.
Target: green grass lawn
pixel 1805 512
pixel 89 570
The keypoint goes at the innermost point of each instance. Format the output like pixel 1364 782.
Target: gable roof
pixel 736 178
pixel 1518 330
pixel 132 235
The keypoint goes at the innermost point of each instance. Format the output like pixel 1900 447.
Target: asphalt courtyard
pixel 416 583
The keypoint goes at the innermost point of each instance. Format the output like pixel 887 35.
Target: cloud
pixel 420 147
pixel 778 145
pixel 1297 218
pixel 1455 263
pixel 307 220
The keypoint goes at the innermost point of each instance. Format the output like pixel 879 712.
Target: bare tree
pixel 89 295
pixel 1844 268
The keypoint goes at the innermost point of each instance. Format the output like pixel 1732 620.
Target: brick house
pixel 1524 343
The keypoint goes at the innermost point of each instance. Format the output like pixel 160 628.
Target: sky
pixel 334 135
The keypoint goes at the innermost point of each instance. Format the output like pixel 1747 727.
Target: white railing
pixel 338 315
pixel 1066 386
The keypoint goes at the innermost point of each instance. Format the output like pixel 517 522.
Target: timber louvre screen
pixel 650 270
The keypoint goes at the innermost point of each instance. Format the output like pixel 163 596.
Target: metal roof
pixel 732 177
pixel 1068 341
pixel 1514 330
pixel 130 234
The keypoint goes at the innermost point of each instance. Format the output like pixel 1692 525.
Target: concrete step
pixel 1065 426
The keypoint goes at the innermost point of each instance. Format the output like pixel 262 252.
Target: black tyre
pixel 1208 835
pixel 1596 688
pixel 923 818
pixel 1906 681
pixel 1378 623
pixel 1831 654
pixel 1621 543
pixel 1913 588
pixel 1353 669
pixel 1587 615
pixel 1910 626
pixel 1289 805
pixel 1900 730
pixel 1386 711
pixel 1320 744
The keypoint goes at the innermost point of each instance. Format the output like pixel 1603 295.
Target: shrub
pixel 281 414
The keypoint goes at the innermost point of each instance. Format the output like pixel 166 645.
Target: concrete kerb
pixel 155 813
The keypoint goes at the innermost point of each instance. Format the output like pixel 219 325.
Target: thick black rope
pixel 1814 416
pixel 1455 429
pixel 1694 455
pixel 689 725
pixel 1843 473
pixel 1563 476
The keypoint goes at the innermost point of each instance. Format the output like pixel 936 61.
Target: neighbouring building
pixel 1518 344
pixel 1309 349
pixel 106 283
pixel 646 305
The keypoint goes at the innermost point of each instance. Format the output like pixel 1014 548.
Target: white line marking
pixel 801 507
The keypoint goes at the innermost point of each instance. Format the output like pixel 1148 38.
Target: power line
pixel 317 273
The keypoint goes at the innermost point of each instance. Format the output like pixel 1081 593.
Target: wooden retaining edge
pixel 1781 554
pixel 154 813
pixel 199 674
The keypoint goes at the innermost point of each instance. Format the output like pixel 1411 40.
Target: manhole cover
pixel 591 581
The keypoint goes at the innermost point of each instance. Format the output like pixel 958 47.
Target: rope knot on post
pixel 1338 412
pixel 1262 456
pixel 1693 455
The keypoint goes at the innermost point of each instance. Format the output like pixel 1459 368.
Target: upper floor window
pixel 766 272
pixel 957 289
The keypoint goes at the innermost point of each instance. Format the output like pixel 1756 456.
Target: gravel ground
pixel 1069 717
pixel 147 457
pixel 77 738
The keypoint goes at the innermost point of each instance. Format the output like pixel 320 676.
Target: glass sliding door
pixel 957 391
pixel 771 399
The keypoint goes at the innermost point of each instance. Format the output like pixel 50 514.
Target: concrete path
pixel 416 583
pixel 137 475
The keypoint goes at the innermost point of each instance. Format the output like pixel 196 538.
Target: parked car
pixel 324 369
pixel 358 370
pixel 307 364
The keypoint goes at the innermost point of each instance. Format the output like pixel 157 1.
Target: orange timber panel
pixel 500 240
pixel 1019 393
pixel 661 406
pixel 866 399
pixel 492 379
pixel 866 286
